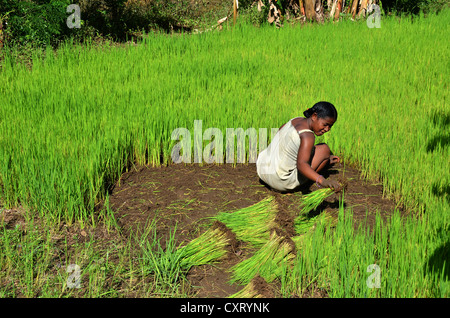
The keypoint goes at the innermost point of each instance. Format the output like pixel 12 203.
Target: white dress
pixel 277 164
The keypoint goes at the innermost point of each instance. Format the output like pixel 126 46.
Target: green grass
pixel 338 261
pixel 72 124
pixel 37 260
pixel 78 118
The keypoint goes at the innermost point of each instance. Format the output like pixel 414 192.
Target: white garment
pixel 277 164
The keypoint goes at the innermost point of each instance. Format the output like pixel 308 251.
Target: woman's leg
pixel 320 157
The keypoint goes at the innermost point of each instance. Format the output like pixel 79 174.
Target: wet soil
pixel 181 199
pixel 185 197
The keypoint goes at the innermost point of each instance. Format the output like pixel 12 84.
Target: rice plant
pixel 303 224
pixel 71 124
pixel 268 261
pixel 170 265
pixel 312 200
pixel 248 291
pixel 164 265
pixel 257 288
pixel 209 247
pixel 252 224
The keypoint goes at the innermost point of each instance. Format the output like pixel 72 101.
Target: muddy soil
pixel 186 196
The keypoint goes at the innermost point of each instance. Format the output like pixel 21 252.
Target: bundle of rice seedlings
pixel 252 224
pixel 207 248
pixel 298 241
pixel 248 291
pixel 312 200
pixel 257 288
pixel 268 261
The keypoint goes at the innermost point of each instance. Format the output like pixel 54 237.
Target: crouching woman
pixel 291 159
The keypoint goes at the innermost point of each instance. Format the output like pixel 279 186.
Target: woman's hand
pixel 334 159
pixel 331 184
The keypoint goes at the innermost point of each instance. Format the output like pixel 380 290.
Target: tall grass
pixel 346 262
pixel 72 124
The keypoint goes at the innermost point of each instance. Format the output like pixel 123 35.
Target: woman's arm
pixel 304 163
pixel 304 158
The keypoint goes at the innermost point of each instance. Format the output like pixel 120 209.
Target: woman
pixel 291 159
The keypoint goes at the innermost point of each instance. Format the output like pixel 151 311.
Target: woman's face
pixel 321 125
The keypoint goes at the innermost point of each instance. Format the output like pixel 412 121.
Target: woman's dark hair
pixel 322 109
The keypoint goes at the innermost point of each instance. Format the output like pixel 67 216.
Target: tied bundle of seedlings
pixel 248 291
pixel 269 261
pixel 312 200
pixel 207 248
pixel 257 288
pixel 252 224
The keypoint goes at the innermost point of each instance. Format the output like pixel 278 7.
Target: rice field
pixel 71 125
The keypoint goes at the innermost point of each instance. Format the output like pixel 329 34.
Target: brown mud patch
pixel 187 196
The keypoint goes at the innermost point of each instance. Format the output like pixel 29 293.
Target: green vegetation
pixel 39 23
pixel 414 6
pixel 252 224
pixel 36 23
pixel 267 261
pixel 340 261
pixel 72 123
pixel 205 249
pixel 312 200
pixel 169 265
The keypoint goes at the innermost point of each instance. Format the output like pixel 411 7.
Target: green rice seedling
pixel 252 224
pixel 312 200
pixel 304 224
pixel 205 249
pixel 169 266
pixel 257 288
pixel 163 265
pixel 248 291
pixel 268 261
pixel 73 122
